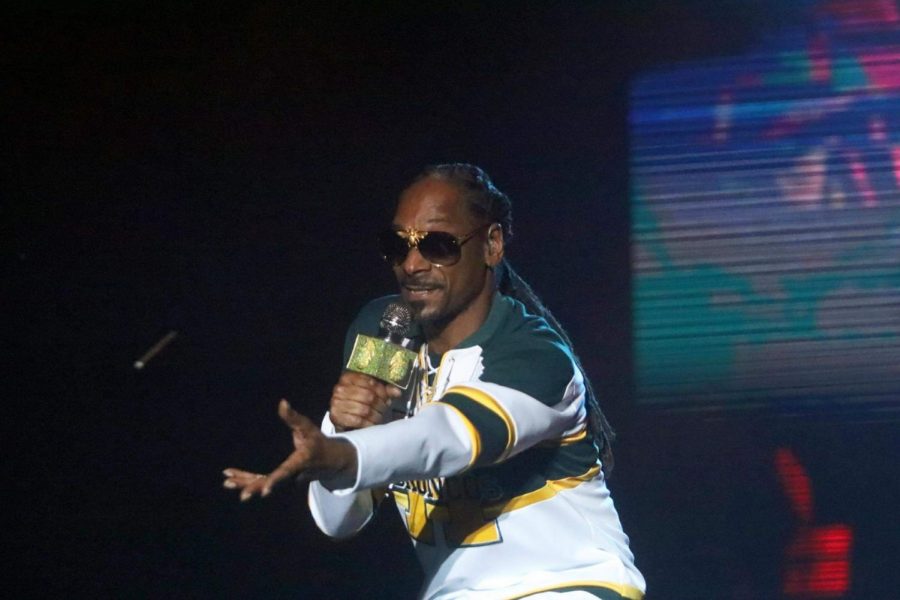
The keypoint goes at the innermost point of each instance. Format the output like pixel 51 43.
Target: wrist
pixel 342 464
pixel 329 427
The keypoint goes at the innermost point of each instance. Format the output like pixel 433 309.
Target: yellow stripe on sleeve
pixel 490 403
pixel 474 436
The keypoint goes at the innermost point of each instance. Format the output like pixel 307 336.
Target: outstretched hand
pixel 315 456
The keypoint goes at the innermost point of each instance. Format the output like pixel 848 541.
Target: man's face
pixel 439 294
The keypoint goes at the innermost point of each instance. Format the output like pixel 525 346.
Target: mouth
pixel 419 290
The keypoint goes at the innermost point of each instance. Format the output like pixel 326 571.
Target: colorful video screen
pixel 765 201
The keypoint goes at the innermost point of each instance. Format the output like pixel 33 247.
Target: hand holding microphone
pixel 360 400
pixel 379 375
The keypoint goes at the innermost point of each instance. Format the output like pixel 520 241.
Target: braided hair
pixel 488 203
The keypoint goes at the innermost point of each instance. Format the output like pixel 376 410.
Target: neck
pixel 446 336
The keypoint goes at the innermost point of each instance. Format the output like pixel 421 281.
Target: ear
pixel 493 252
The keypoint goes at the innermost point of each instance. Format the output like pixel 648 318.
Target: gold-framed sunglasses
pixel 437 247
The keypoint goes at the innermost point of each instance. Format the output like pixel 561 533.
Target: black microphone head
pixel 396 319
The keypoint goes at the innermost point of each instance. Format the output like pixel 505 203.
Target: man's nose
pixel 414 262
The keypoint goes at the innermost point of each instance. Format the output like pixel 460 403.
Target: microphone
pixel 391 356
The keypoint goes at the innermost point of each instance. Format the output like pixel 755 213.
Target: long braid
pixel 489 203
pixel 511 284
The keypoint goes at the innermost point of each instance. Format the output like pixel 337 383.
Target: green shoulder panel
pixel 526 355
pixel 519 352
pixel 493 431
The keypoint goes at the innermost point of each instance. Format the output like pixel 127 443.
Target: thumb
pixel 291 417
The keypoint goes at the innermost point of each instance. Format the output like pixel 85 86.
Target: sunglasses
pixel 437 247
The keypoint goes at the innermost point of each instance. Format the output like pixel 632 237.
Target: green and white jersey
pixel 495 476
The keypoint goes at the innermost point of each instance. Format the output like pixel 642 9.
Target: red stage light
pixel 818 558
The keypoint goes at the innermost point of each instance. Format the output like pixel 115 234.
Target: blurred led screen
pixel 766 219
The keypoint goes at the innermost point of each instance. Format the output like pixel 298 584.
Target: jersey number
pixel 462 521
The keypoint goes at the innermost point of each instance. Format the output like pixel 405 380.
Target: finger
pixel 361 409
pixel 238 479
pixel 345 413
pixel 381 392
pixel 366 395
pixel 253 488
pixel 241 482
pixel 292 418
pixel 288 468
pixel 273 480
pixel 358 379
pixel 348 421
pixel 386 390
pixel 233 473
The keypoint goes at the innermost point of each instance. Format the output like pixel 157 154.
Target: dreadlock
pixel 487 202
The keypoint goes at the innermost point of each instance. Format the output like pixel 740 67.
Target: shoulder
pixel 526 354
pixel 525 336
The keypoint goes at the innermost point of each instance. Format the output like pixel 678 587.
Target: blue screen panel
pixel 766 220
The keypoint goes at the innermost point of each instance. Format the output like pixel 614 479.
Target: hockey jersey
pixel 496 475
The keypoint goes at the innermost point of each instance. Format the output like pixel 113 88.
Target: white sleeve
pixel 339 516
pixel 437 442
pixel 440 441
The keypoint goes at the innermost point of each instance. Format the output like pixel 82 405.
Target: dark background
pixel 221 170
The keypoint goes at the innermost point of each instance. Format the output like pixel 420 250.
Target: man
pixel 498 473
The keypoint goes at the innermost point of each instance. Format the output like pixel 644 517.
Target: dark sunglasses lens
pixel 393 248
pixel 439 248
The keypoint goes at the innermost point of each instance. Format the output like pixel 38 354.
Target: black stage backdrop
pixel 220 171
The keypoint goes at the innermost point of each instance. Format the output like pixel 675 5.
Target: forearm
pixel 437 442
